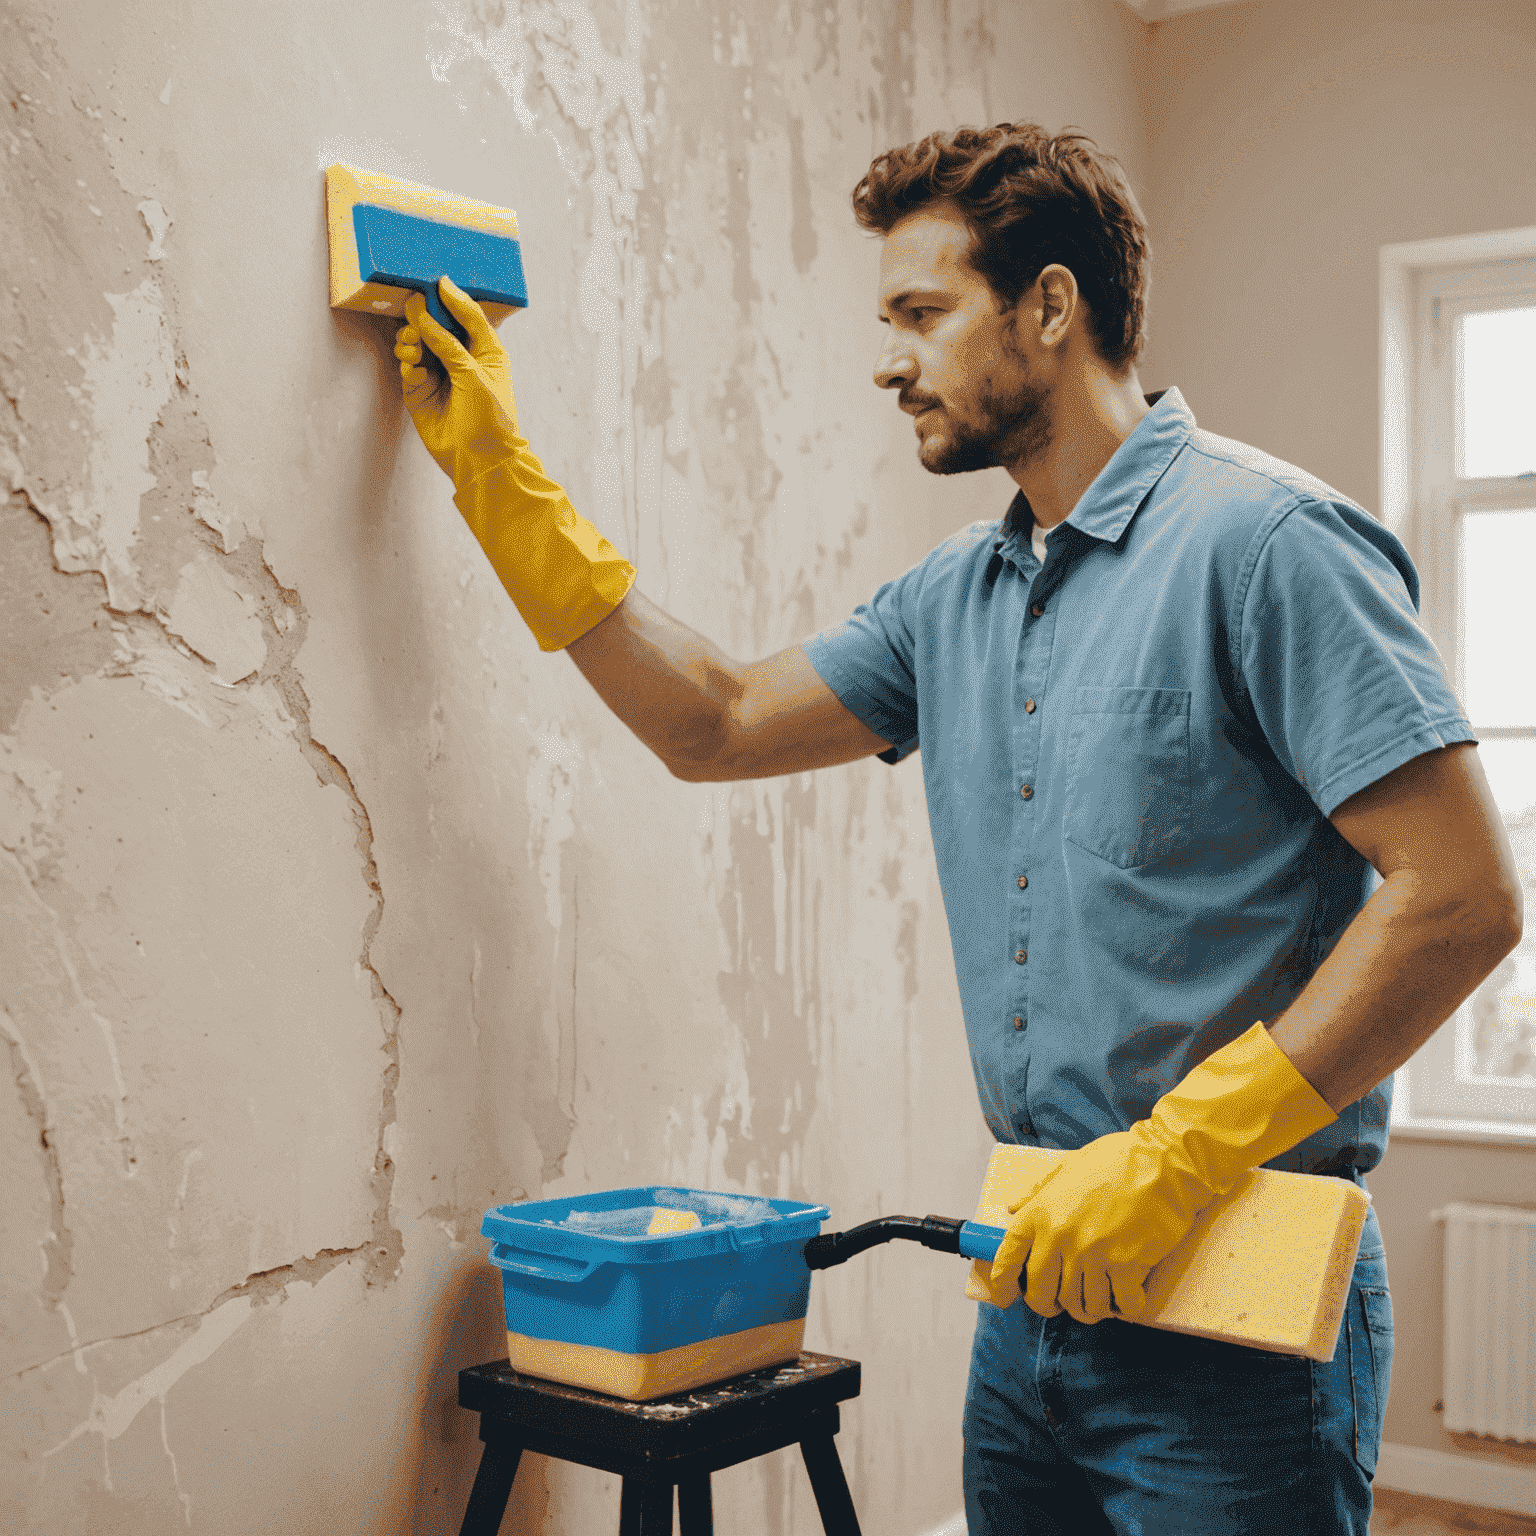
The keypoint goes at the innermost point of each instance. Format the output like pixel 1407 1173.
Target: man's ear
pixel 1058 303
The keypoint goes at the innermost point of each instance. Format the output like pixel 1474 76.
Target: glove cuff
pixel 564 576
pixel 1243 1105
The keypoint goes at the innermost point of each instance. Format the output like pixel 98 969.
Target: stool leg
pixel 645 1507
pixel 493 1487
pixel 695 1509
pixel 830 1486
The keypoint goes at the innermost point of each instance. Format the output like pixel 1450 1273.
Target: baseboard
pixel 1477 1480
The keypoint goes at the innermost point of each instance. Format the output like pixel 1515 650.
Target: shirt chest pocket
pixel 1128 797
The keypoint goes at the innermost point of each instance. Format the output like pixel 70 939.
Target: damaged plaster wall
pixel 332 911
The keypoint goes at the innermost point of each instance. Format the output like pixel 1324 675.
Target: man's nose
pixel 896 365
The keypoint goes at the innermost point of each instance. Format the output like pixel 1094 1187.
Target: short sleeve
pixel 1344 682
pixel 868 662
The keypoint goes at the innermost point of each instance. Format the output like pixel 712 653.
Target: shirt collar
pixel 1105 509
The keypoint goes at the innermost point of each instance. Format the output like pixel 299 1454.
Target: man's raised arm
pixel 705 716
pixel 708 717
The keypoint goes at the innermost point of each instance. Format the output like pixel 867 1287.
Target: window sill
pixel 1496 1133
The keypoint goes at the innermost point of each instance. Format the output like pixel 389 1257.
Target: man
pixel 1173 708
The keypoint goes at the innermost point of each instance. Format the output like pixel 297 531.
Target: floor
pixel 1407 1514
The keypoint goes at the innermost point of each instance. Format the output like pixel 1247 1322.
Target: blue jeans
pixel 1121 1430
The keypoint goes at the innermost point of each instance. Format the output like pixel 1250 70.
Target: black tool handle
pixel 939 1232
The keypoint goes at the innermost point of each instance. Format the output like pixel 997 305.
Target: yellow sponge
pixel 668 1220
pixel 1267 1265
pixel 417 234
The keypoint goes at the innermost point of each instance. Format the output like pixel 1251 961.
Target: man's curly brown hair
pixel 1030 199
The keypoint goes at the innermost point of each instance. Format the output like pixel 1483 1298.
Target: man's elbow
pixel 714 749
pixel 703 759
pixel 1508 918
pixel 1494 919
pixel 689 771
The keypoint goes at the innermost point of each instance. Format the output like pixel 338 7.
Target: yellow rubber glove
pixel 561 572
pixel 1091 1232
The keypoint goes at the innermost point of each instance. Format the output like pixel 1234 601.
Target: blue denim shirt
pixel 1130 755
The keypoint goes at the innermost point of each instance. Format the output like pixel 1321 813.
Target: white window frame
pixel 1424 285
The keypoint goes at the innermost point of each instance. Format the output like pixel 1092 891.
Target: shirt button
pixel 1020 956
pixel 1037 609
pixel 1023 882
pixel 1018 1021
pixel 1027 790
pixel 1029 706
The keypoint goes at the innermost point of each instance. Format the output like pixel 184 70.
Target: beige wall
pixel 1290 141
pixel 334 912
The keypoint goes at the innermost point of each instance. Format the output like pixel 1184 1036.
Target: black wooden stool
pixel 656 1446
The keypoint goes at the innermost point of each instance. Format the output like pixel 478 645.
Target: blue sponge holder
pixel 645 1294
pixel 406 250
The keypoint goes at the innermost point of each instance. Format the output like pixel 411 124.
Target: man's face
pixel 952 353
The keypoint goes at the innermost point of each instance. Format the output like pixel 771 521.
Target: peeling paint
pixel 29 798
pixel 124 383
pixel 158 222
pixel 218 620
pixel 205 506
pixel 601 138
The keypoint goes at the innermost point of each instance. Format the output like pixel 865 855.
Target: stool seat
pixel 666 1443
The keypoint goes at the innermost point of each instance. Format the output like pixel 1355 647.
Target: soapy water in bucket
pixel 713 1210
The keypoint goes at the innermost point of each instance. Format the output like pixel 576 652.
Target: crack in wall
pixel 79 1351
pixel 286 622
pixel 102 1022
pixel 386 1247
pixel 269 1284
pixel 259 1289
pixel 141 521
pixel 58 1246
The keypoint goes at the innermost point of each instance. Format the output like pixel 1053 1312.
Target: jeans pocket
pixel 1370 1370
pixel 1128 796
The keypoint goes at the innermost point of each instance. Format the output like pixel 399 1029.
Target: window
pixel 1459 486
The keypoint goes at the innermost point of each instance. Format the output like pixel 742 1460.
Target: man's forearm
pixel 1401 968
pixel 709 718
pixel 673 688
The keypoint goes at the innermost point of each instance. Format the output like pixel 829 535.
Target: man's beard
pixel 1002 431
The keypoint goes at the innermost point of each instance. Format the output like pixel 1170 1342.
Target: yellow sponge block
pixel 1267 1265
pixel 668 1220
pixel 474 243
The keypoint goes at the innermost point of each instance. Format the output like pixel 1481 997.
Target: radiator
pixel 1490 1320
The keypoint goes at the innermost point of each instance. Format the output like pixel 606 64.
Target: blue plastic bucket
pixel 644 1316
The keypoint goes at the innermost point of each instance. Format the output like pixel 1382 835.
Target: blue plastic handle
pixel 408 251
pixel 979 1242
pixel 544 1266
